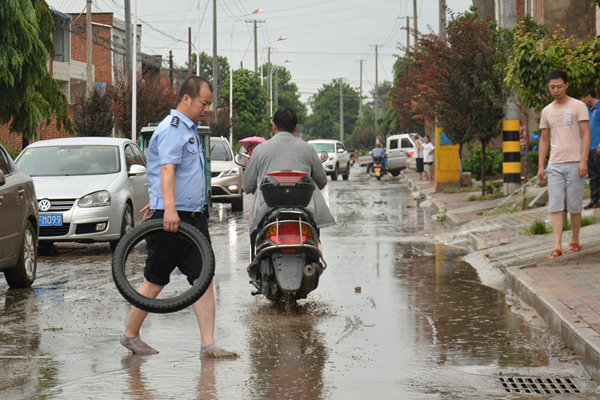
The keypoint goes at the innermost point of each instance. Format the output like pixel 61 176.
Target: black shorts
pixel 419 165
pixel 165 252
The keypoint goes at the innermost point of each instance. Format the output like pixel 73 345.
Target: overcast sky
pixel 325 39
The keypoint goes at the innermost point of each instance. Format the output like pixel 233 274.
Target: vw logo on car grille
pixel 44 205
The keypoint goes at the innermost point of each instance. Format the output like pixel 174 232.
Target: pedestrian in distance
pixel 566 128
pixel 176 186
pixel 419 156
pixel 428 159
pixel 591 101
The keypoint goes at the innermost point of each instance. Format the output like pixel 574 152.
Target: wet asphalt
pixel 396 316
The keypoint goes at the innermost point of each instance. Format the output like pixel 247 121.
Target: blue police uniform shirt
pixel 175 141
pixel 595 126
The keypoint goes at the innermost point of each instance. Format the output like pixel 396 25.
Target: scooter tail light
pixel 287 176
pixel 289 233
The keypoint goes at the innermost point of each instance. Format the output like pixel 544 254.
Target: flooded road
pixel 395 316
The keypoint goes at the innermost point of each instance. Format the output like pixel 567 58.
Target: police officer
pixel 176 187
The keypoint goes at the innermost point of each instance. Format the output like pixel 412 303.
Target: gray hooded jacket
pixel 284 151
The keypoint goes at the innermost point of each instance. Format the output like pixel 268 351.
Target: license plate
pixel 51 220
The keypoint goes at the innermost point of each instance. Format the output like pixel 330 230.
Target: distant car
pixel 339 159
pixel 226 178
pixel 18 224
pixel 88 189
pixel 401 152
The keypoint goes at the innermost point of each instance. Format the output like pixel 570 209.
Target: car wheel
pixel 334 174
pixel 23 274
pixel 346 175
pixel 395 172
pixel 126 225
pixel 237 204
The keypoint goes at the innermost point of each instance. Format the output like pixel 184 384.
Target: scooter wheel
pixel 162 306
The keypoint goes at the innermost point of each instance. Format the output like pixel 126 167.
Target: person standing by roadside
pixel 565 126
pixel 419 156
pixel 591 100
pixel 175 176
pixel 428 159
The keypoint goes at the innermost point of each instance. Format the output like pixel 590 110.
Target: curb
pixel 578 335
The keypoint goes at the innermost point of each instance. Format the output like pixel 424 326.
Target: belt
pixel 191 214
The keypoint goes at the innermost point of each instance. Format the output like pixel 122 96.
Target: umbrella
pixel 256 140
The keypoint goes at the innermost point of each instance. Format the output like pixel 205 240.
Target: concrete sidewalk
pixel 565 291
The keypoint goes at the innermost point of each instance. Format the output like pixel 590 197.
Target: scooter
pixel 287 261
pixel 378 167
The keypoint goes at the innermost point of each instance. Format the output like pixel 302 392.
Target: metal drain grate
pixel 541 385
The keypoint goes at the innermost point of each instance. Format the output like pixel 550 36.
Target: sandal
pixel 556 253
pixel 574 248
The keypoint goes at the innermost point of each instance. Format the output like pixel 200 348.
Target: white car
pixel 89 189
pixel 401 152
pixel 339 159
pixel 226 178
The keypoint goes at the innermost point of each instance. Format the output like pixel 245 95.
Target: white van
pixel 401 151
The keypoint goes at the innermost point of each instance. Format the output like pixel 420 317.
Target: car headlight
pixel 96 199
pixel 231 172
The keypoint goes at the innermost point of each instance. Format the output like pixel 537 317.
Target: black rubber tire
pixel 162 306
pixel 237 204
pixel 370 169
pixel 23 274
pixel 126 225
pixel 395 172
pixel 335 173
pixel 346 175
pixel 208 207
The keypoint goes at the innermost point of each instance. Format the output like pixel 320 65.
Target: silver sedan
pixel 88 189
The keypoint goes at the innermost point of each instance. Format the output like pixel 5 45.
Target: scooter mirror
pixel 242 159
pixel 323 156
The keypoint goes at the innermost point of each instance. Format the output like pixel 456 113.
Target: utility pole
pixel 255 22
pixel 408 33
pixel 134 76
pixel 269 74
pixel 198 43
pixel 342 110
pixel 276 87
pixel 415 20
pixel 360 110
pixel 90 62
pixel 189 51
pixel 377 135
pixel 171 67
pixel 443 20
pixel 215 62
pixel 128 40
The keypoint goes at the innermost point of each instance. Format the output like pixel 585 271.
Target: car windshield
pixel 219 151
pixel 70 160
pixel 319 147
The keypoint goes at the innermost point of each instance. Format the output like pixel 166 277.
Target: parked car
pixel 339 160
pixel 88 189
pixel 18 224
pixel 401 151
pixel 226 178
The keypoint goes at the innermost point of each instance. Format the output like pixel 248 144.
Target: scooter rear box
pixel 296 194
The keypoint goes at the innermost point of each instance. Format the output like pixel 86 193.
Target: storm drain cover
pixel 541 385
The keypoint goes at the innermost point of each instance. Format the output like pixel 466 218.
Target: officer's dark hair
pixel 558 74
pixel 592 93
pixel 192 86
pixel 285 119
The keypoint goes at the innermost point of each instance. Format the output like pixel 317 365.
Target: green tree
pixel 288 92
pixel 249 104
pixel 93 114
pixel 29 93
pixel 324 121
pixel 206 67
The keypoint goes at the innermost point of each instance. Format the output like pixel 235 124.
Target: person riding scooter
pixel 379 151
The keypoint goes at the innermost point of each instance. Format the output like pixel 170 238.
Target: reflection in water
pixel 287 354
pixel 135 380
pixel 233 237
pixel 466 321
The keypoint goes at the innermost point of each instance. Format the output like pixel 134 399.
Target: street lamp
pixel 258 10
pixel 270 75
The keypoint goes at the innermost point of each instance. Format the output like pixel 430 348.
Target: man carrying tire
pixel 176 189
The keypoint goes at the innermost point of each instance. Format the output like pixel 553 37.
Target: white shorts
pixel 428 167
pixel 564 183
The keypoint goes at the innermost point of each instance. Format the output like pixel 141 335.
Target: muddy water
pixel 395 316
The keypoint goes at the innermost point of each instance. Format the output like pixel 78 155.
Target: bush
pixel 588 220
pixel 537 227
pixel 11 152
pixel 505 209
pixel 493 162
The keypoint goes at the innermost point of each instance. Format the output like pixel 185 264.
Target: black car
pixel 18 224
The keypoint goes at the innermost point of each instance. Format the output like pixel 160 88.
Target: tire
pixel 127 224
pixel 162 306
pixel 378 178
pixel 346 175
pixel 335 173
pixel 237 204
pixel 23 274
pixel 395 172
pixel 370 170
